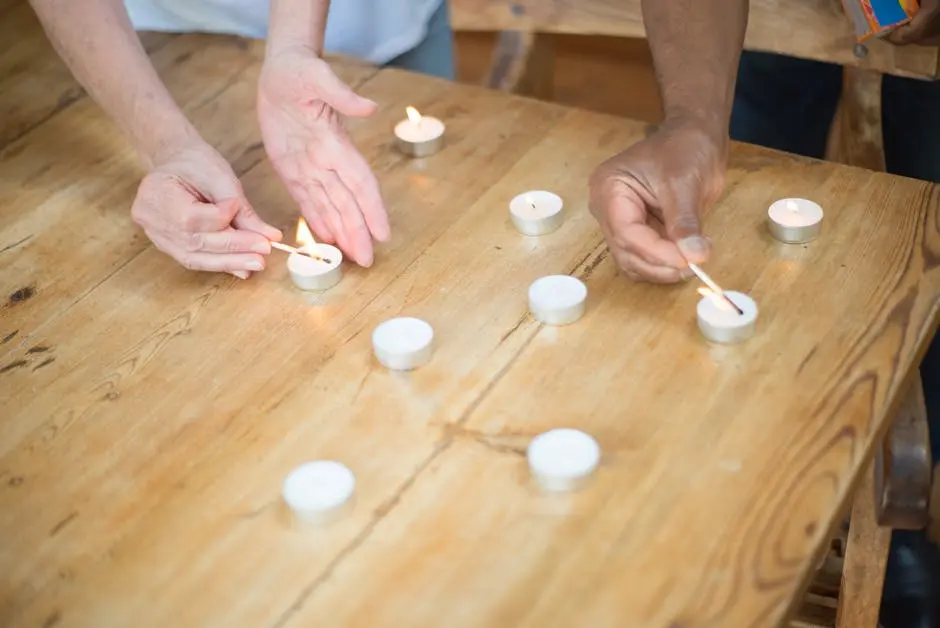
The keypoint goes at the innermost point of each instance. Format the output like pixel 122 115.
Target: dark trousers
pixel 789 104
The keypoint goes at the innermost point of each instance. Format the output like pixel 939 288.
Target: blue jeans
pixel 788 104
pixel 435 54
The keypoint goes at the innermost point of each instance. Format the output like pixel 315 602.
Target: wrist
pixel 161 139
pixel 712 126
pixel 275 48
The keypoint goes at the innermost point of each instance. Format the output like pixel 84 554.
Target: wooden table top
pixel 150 414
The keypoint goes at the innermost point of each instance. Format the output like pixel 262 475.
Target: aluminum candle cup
pixel 537 212
pixel 310 273
pixel 563 459
pixel 319 491
pixel 403 344
pixel 419 136
pixel 557 299
pixel 794 220
pixel 720 323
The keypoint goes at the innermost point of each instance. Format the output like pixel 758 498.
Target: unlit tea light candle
pixel 795 220
pixel 557 299
pixel 402 344
pixel 318 491
pixel 537 212
pixel 418 135
pixel 720 323
pixel 563 459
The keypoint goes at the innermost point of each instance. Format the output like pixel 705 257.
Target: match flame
pixel 413 115
pixel 717 300
pixel 793 207
pixel 304 238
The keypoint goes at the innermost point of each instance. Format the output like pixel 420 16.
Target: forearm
pixel 296 23
pixel 97 41
pixel 696 46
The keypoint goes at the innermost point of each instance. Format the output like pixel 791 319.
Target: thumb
pixel 683 226
pixel 340 96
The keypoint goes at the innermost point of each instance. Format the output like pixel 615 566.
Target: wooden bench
pixel 899 493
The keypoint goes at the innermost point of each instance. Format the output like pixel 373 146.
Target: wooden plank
pixel 144 462
pixel 36 85
pixel 813 29
pixel 903 467
pixel 866 556
pixel 102 372
pixel 501 555
pixel 215 81
pixel 523 63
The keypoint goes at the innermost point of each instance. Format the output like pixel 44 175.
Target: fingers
pixel 639 269
pixel 320 208
pixel 228 241
pixel 680 212
pixel 338 94
pixel 245 218
pixel 627 221
pixel 239 264
pixel 359 179
pixel 356 233
pixel 909 33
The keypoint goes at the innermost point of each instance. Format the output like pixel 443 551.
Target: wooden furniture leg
pixel 863 569
pixel 523 63
pixel 903 466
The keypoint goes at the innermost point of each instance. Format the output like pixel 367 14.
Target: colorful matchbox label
pixel 878 17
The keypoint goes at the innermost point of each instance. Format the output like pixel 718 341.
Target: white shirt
pixel 374 30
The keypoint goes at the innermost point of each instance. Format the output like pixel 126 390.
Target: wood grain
pixel 813 29
pixel 152 413
pixel 866 558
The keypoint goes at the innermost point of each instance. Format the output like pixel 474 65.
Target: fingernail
pixel 241 274
pixel 254 265
pixel 686 274
pixel 261 247
pixel 694 248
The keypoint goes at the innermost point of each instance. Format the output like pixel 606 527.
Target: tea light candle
pixel 320 272
pixel 794 220
pixel 720 323
pixel 402 344
pixel 536 213
pixel 563 459
pixel 419 136
pixel 318 491
pixel 557 299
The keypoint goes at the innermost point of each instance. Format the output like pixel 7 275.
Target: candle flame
pixel 715 298
pixel 793 207
pixel 413 114
pixel 304 238
pixel 528 199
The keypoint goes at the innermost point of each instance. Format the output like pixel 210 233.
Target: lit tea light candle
pixel 718 320
pixel 536 213
pixel 557 299
pixel 313 266
pixel 419 136
pixel 319 491
pixel 795 220
pixel 403 344
pixel 563 459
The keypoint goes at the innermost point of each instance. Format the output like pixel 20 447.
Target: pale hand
pixel 648 200
pixel 300 107
pixel 192 207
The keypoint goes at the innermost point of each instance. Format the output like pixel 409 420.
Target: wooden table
pixel 151 413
